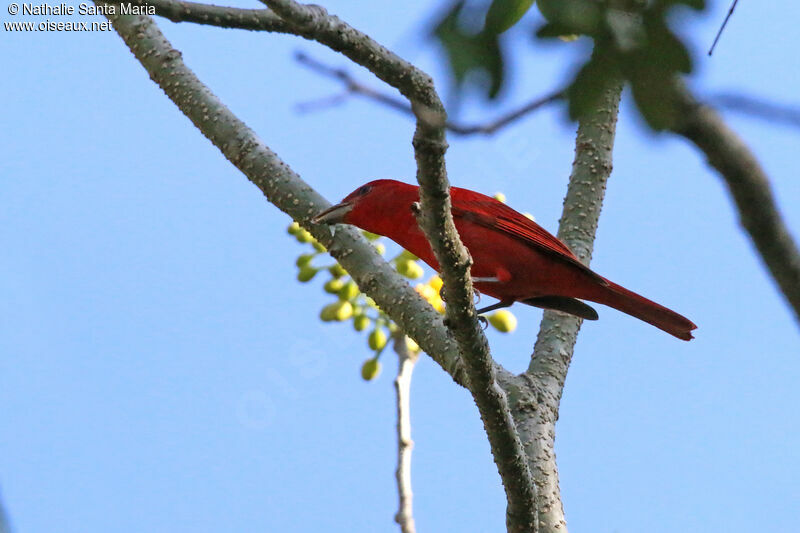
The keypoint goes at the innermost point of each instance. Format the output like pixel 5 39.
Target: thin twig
pixel 402 386
pixel 508 118
pixel 722 28
pixel 353 86
pixel 758 108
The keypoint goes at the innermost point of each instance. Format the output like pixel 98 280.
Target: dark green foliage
pixel 468 51
pixel 581 17
pixel 637 47
pixel 633 44
pixel 503 14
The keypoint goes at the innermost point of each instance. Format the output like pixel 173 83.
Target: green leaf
pixel 654 95
pixel 552 31
pixel 470 52
pixel 694 4
pixel 503 14
pixel 625 28
pixel 663 47
pixel 582 17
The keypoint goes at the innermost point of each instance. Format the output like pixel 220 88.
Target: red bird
pixel 514 259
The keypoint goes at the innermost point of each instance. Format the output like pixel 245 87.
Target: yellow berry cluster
pixel 353 305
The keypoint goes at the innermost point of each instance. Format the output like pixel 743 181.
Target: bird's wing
pixel 490 213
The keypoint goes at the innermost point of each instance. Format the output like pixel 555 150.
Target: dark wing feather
pixel 572 306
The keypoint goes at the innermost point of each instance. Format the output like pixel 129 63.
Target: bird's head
pixel 371 206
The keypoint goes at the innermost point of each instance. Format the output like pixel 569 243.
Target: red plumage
pixel 514 259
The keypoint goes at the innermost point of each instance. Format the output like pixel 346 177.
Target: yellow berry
pixel 349 291
pixel 371 369
pixel 294 228
pixel 500 197
pixel 377 339
pixel 414 270
pixel 408 256
pixel 380 248
pixel 338 311
pixel 361 322
pixel 426 291
pixel 409 269
pixel 333 286
pixel 304 236
pixel 436 282
pixel 528 215
pixel 327 313
pixel 306 273
pixel 503 321
pixel 337 271
pixel 344 310
pixel 402 265
pixel 304 260
pixel 412 346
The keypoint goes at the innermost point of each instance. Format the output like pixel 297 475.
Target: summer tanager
pixel 514 259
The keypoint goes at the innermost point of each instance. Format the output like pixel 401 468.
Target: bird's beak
pixel 334 214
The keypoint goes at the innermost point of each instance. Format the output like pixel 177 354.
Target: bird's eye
pixel 364 190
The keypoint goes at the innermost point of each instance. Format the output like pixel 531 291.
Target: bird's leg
pixel 499 305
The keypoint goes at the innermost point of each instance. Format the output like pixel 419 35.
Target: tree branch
pixel 454 261
pixel 5 521
pixel 286 190
pixel 758 108
pixel 353 86
pixel 402 386
pixel 536 395
pixel 219 16
pixel 750 189
pixel 313 22
pixel 722 28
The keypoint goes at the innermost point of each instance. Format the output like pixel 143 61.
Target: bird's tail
pixel 640 307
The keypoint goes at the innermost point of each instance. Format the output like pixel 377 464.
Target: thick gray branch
pixel 315 23
pixel 454 265
pixel 750 189
pixel 220 16
pixel 286 190
pixel 536 395
pixel 583 202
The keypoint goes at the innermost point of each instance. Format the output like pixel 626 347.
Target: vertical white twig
pixel 402 385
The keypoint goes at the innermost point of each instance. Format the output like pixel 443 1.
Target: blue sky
pixel 161 370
